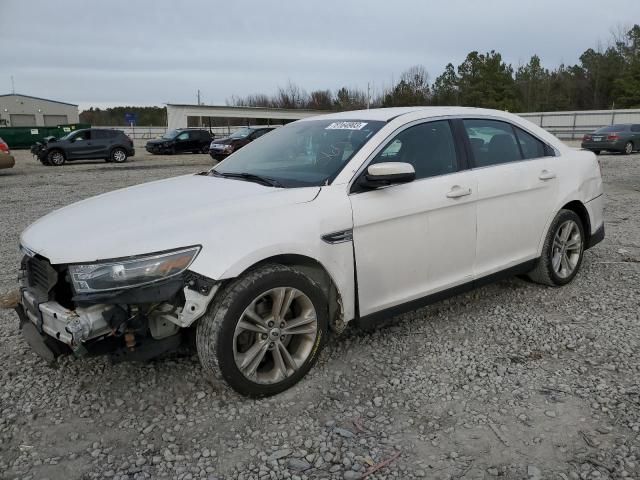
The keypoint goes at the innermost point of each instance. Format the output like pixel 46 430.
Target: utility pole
pixel 368 95
pixel 199 97
pixel 13 87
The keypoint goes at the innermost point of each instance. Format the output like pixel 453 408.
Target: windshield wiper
pixel 250 177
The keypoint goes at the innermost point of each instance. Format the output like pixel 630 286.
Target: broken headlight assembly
pixel 131 272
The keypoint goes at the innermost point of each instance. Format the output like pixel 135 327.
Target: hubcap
pixel 275 335
pixel 628 148
pixel 567 247
pixel 57 158
pixel 119 156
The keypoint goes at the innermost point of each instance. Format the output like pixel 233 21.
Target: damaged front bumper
pixel 136 324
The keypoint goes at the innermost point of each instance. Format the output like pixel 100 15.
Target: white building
pixel 26 111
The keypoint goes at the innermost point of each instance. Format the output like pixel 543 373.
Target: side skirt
pixel 370 321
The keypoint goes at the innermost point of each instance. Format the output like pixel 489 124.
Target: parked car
pixel 4 148
pixel 6 160
pixel 353 216
pixel 89 143
pixel 622 137
pixel 223 147
pixel 181 141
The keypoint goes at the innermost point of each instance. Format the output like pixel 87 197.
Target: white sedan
pixel 353 216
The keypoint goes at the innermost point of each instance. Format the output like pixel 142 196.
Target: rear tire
pixel 628 148
pixel 56 158
pixel 205 149
pixel 597 152
pixel 118 155
pixel 255 346
pixel 562 251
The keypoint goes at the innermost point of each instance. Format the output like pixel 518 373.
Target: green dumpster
pixel 24 137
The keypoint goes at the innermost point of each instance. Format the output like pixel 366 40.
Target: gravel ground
pixel 514 380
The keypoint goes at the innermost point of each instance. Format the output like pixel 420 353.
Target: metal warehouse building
pixel 25 111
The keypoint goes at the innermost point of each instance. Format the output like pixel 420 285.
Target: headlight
pixel 131 272
pixel 228 148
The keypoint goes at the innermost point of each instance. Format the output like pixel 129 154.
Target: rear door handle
pixel 457 192
pixel 546 175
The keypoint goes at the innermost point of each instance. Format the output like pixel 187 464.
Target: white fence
pixel 147 133
pixel 565 125
pixel 572 125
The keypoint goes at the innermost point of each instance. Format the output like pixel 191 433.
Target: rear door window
pixel 492 142
pixel 530 145
pixel 635 128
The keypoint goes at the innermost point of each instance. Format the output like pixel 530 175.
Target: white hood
pixel 156 216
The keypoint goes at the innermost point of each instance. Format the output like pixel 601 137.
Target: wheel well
pixel 316 271
pixel 579 209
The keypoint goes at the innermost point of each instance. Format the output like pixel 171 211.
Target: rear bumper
pixel 605 145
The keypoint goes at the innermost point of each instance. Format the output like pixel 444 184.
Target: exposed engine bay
pixel 129 324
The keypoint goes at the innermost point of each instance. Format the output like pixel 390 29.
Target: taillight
pixel 613 136
pixel 4 147
pixel 586 138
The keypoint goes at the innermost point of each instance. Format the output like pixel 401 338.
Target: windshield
pixel 171 134
pixel 305 153
pixel 613 128
pixel 242 133
pixel 69 135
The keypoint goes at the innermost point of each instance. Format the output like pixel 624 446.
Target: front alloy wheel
pixel 264 331
pixel 56 158
pixel 275 335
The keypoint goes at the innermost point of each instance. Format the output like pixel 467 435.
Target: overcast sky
pixel 134 52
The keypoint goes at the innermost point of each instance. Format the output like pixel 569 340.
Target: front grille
pixel 40 274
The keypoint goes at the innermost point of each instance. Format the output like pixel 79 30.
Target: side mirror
pixel 387 173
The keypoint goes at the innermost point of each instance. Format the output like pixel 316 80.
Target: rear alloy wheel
pixel 205 149
pixel 562 251
pixel 56 158
pixel 628 148
pixel 265 331
pixel 118 155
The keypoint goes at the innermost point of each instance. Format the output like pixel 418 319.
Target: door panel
pixel 514 204
pixel 516 193
pixel 412 240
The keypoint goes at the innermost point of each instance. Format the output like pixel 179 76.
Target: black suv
pixel 226 146
pixel 89 143
pixel 181 140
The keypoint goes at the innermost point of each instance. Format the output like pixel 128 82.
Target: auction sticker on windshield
pixel 346 126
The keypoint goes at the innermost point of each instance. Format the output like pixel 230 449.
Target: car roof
pixel 386 114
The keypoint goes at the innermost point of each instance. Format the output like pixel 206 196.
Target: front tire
pixel 264 331
pixel 562 251
pixel 118 155
pixel 56 158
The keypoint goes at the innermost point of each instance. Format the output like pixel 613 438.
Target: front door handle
pixel 546 175
pixel 457 192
